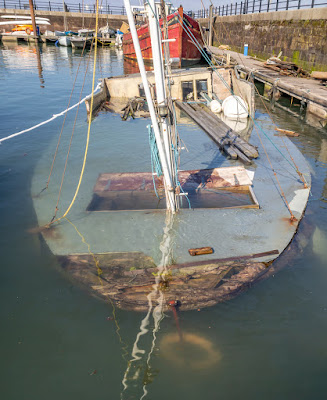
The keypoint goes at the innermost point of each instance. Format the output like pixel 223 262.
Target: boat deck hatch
pixel 208 188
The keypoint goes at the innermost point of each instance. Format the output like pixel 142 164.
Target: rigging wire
pixel 268 112
pixel 72 134
pixel 89 124
pixel 63 123
pixel 191 36
pixel 175 155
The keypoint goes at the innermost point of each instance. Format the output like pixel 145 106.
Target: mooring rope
pixel 63 123
pixel 53 117
pixel 89 125
pixel 70 142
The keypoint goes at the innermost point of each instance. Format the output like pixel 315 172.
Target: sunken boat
pixel 194 217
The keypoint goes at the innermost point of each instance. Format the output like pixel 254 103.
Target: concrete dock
pixel 308 90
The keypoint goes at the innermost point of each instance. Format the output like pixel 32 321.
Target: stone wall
pixel 74 20
pixel 301 35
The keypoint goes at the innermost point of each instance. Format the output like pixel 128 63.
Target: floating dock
pixel 8 37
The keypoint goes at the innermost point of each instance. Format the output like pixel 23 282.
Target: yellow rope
pixel 90 120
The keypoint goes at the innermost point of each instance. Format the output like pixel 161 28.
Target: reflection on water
pixel 57 342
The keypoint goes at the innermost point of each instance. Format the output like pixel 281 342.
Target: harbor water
pixel 57 341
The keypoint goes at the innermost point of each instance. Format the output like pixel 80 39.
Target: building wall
pixel 301 35
pixel 74 20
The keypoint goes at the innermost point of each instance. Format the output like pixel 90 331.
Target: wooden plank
pixel 226 139
pixel 286 132
pixel 248 149
pixel 227 259
pixel 207 128
pixel 200 251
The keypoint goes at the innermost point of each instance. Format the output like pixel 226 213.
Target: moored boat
pixel 183 51
pixel 84 38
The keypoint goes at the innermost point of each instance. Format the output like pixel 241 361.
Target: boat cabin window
pixel 152 89
pixel 201 86
pixel 187 90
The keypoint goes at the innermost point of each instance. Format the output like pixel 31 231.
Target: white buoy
pixel 234 107
pixel 215 106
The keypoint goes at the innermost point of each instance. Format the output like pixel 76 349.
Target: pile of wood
pixel 286 68
pixel 133 108
pixel 226 139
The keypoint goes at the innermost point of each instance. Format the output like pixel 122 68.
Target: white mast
pixel 164 151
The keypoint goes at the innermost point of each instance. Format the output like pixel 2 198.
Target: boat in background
pixel 183 52
pixel 23 24
pixel 84 38
pixel 65 40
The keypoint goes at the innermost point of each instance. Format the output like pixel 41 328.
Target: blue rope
pixel 155 161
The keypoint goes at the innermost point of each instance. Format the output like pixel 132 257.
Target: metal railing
pixel 239 7
pixel 104 7
pixel 258 6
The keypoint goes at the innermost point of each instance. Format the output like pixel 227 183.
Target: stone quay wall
pixel 74 20
pixel 301 35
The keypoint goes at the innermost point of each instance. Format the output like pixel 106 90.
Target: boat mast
pixel 33 19
pixel 160 130
pixel 65 18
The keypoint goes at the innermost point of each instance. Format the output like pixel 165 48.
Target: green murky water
pixel 58 342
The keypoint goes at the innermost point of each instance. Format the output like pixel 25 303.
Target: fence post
pixel 253 6
pixel 235 8
pixel 260 4
pixel 312 3
pixel 287 4
pixel 299 4
pixel 223 10
pixel 219 11
pixel 241 7
pixel 277 1
pixel 227 9
pixel 268 5
pixel 231 9
pixel 4 4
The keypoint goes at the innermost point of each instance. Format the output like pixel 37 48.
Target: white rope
pixel 52 118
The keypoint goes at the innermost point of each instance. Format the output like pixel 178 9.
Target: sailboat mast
pixel 159 72
pixel 65 18
pixel 164 157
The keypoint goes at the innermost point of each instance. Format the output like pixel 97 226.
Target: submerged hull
pixel 183 52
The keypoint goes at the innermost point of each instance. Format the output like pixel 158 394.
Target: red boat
pixel 183 51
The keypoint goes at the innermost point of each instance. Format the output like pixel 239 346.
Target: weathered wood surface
pixel 200 251
pixel 227 140
pixel 309 90
pixel 213 178
pixel 286 132
pixel 319 75
pixel 128 278
pixel 287 68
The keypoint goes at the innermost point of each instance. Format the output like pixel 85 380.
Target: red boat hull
pixel 182 51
